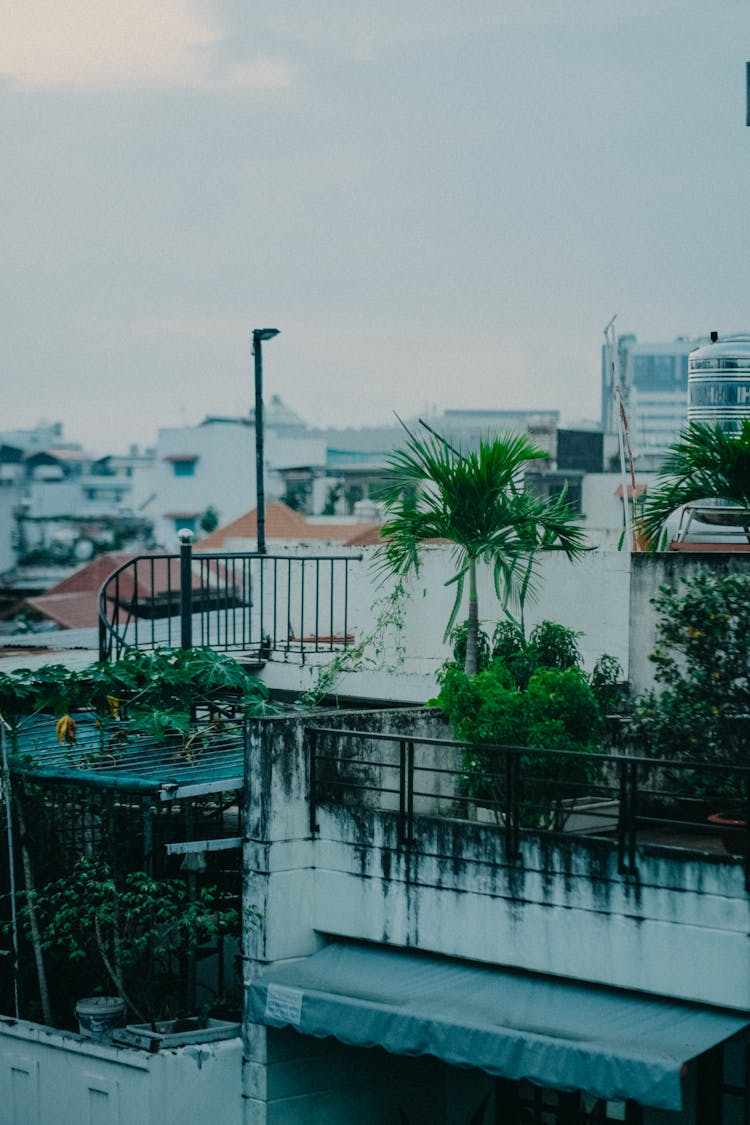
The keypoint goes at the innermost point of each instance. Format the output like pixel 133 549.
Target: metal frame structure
pixel 244 602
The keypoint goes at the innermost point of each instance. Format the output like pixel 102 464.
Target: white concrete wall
pixel 678 928
pixel 591 596
pixel 57 1078
pixel 649 572
pixel 224 473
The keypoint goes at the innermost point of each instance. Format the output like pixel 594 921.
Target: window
pixel 185 523
pixel 523 1103
pixel 184 468
pixel 659 372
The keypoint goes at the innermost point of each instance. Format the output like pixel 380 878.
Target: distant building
pixel 59 506
pixel 654 380
pixel 213 465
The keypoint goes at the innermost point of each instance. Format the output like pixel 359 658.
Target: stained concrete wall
pixel 52 1077
pixel 648 573
pixel 678 928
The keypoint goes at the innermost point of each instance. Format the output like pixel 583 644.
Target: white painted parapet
pixel 50 1077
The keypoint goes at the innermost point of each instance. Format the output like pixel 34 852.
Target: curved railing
pixel 242 602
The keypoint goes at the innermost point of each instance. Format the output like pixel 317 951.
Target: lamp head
pixel 265 333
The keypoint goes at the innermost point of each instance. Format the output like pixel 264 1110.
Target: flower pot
pixel 175 1033
pixel 98 1016
pixel 733 831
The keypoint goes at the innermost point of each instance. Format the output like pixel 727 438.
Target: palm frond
pixel 477 501
pixel 705 463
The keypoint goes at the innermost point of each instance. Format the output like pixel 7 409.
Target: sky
pixel 439 204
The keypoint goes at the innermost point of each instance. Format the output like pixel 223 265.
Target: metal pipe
pixel 186 588
pixel 259 335
pixel 11 864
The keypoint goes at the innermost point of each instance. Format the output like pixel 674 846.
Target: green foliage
pixel 478 502
pixel 607 686
pixel 128 930
pixel 549 646
pixel 702 661
pixel 159 690
pixel 209 520
pixel 297 495
pixel 335 493
pixel 554 646
pixel 556 710
pixel 533 694
pixel 458 638
pixel 508 641
pixel 706 463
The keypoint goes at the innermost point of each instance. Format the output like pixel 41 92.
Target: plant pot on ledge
pixel 733 831
pixel 175 1033
pixel 99 1016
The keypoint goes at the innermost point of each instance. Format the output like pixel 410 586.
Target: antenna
pixel 623 430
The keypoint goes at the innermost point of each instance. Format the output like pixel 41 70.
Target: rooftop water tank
pixel 719 382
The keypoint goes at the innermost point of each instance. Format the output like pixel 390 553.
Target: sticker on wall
pixel 284 1005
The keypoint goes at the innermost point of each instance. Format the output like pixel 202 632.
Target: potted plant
pixel 531 694
pixel 127 934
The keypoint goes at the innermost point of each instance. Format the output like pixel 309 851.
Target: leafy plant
pixel 159 691
pixel 459 640
pixel 130 931
pixel 480 504
pixel 555 710
pixel 701 712
pixel 549 645
pixel 706 463
pixel 533 694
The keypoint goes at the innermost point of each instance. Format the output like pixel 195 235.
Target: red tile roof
pixel 283 522
pixel 69 611
pixel 74 602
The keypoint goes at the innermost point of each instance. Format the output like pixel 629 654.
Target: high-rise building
pixel 654 381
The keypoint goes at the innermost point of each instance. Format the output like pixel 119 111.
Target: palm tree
pixel 478 502
pixel 705 463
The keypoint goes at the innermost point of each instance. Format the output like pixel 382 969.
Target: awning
pixel 557 1033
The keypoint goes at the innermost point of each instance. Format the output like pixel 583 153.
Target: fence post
pixel 410 790
pixel 312 738
pixel 402 825
pixel 186 588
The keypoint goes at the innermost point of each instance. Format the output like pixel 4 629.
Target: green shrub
pixel 556 710
pixel 701 711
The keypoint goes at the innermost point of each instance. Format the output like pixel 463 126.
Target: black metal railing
pixel 624 799
pixel 257 605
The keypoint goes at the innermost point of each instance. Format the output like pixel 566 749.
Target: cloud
pixel 126 43
pixel 363 30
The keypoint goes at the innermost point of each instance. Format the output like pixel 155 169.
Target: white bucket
pixel 98 1016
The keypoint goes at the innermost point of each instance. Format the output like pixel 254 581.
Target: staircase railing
pixel 258 605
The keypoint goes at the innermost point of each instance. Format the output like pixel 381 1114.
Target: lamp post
pixel 259 335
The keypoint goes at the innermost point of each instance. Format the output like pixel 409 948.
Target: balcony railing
pixel 257 605
pixel 623 799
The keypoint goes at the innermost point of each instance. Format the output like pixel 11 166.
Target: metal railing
pixel 624 799
pixel 257 605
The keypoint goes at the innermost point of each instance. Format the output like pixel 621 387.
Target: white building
pixel 213 465
pixel 654 380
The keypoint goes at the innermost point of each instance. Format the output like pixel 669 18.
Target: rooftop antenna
pixel 623 431
pixel 440 437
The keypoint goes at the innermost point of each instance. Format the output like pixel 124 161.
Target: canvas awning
pixel 557 1033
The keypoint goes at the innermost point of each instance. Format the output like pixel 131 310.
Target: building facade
pixel 654 381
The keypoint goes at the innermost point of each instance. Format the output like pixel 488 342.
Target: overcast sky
pixel 439 203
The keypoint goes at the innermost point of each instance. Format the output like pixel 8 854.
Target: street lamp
pixel 259 335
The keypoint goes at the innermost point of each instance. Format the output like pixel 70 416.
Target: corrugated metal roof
pixel 117 756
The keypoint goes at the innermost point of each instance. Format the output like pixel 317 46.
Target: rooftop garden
pixel 114 778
